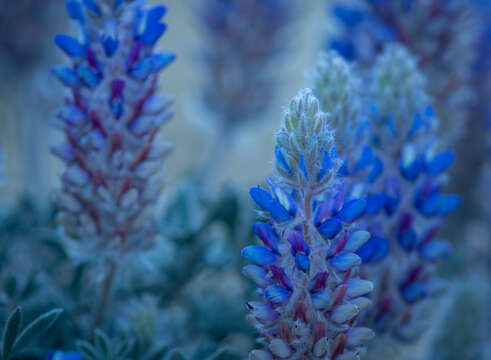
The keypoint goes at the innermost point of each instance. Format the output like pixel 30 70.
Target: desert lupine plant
pixel 405 205
pixel 441 33
pixel 111 120
pixel 306 269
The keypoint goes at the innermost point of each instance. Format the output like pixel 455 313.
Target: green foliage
pixel 14 342
pixel 103 348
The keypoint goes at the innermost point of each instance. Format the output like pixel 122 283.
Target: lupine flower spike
pixel 339 91
pixel 405 206
pixel 111 120
pixel 440 33
pixel 306 269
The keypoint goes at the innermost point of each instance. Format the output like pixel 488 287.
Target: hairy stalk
pixel 104 297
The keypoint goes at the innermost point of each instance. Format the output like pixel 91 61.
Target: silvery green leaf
pixel 102 344
pixel 12 327
pixel 35 329
pixel 158 353
pixel 176 355
pixel 89 352
pixel 224 354
pixel 125 349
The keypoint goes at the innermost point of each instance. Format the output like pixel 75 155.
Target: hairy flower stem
pixel 104 297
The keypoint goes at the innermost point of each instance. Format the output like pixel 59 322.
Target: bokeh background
pixel 29 97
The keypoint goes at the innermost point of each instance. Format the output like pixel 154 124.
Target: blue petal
pixel 256 274
pixel 70 46
pixel 152 33
pixel 417 124
pixel 161 60
pixel 321 299
pixel 374 250
pixel 278 212
pixel 298 243
pixel 377 169
pixel 88 76
pixel 117 108
pixel 61 355
pixel 142 69
pixel 326 165
pixel 285 199
pixel 375 203
pixel 439 204
pixel 260 255
pixel 279 275
pixel 267 235
pixel 264 200
pixel 323 212
pixel 366 159
pixel 280 159
pixel 411 171
pixel 302 261
pixel 356 240
pixel 350 16
pixel 391 204
pixel 352 210
pixel 343 169
pixel 155 14
pixel 344 47
pixel 435 250
pixel 117 4
pixel 345 261
pixel 276 294
pixel 263 312
pixel 330 228
pixel 440 162
pixel 75 11
pixel 407 239
pixel 66 75
pixel 261 197
pixel 109 39
pixel 413 293
pixel 92 7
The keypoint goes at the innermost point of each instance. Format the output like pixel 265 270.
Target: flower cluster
pixel 405 205
pixel 306 269
pixel 440 33
pixel 111 120
pixel 244 37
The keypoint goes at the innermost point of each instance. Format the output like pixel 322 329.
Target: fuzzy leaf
pixel 102 344
pixel 35 329
pixel 176 355
pixel 89 352
pixel 158 353
pixel 12 327
pixel 125 349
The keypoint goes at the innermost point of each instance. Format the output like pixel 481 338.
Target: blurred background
pixel 29 98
